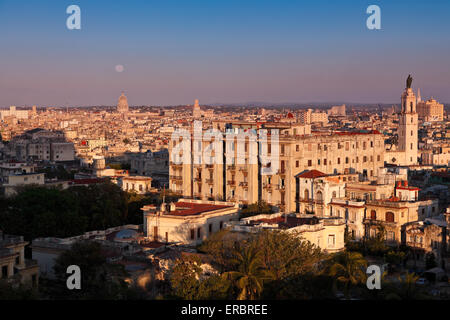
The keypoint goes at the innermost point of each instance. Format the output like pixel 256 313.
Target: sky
pixel 175 51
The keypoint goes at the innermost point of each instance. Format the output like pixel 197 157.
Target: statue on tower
pixel 409 82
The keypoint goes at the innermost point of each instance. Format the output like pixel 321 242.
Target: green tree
pixel 254 209
pixel 99 279
pixel 348 268
pixel 184 278
pixel 220 247
pixel 249 275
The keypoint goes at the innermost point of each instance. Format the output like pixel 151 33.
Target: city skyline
pixel 221 53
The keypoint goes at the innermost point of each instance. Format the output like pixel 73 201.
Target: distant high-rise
pixel 196 112
pixel 122 106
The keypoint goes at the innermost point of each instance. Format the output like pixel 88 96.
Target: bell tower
pixel 408 126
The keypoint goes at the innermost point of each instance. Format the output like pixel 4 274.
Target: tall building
pixel 408 128
pixel 239 177
pixel 430 110
pixel 337 111
pixel 406 153
pixel 196 111
pixel 122 106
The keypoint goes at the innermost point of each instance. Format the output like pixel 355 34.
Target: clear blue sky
pixel 221 51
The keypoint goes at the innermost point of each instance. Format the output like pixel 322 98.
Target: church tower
pixel 408 126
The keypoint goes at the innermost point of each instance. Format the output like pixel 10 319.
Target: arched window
pixel 319 196
pixel 306 194
pixel 334 194
pixel 389 217
pixel 373 215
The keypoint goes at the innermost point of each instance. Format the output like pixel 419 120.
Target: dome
pixel 122 97
pixel 126 234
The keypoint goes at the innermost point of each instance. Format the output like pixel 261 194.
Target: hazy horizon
pixel 221 52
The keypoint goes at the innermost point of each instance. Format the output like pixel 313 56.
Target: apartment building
pixel 187 221
pixel 241 176
pixel 13 265
pixel 325 233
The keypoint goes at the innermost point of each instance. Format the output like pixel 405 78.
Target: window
pixel 325 161
pixel 339 161
pixel 389 217
pixel 221 225
pixel 309 163
pixel 297 148
pixel 210 228
pixel 297 164
pixel 306 194
pixel 373 215
pixel 192 234
pixel 346 159
pixel 378 158
pixel 199 233
pixel 319 196
pixel 318 162
pixel 331 240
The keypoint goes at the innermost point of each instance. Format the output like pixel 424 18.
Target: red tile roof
pixel 311 174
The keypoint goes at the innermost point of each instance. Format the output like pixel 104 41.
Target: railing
pixel 209 166
pixel 243 184
pixel 231 167
pixel 231 183
pixel 176 177
pixel 210 181
pixel 267 186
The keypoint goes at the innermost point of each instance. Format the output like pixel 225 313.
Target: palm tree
pixel 249 275
pixel 407 288
pixel 347 267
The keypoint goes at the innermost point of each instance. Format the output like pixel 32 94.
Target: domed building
pixel 122 106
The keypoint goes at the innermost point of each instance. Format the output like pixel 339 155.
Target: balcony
pixel 281 187
pixel 231 183
pixel 210 181
pixel 311 201
pixel 231 167
pixel 209 166
pixel 176 178
pixel 267 186
pixel 243 184
pixel 198 179
pixel 176 165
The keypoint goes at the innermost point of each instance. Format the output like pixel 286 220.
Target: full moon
pixel 119 68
